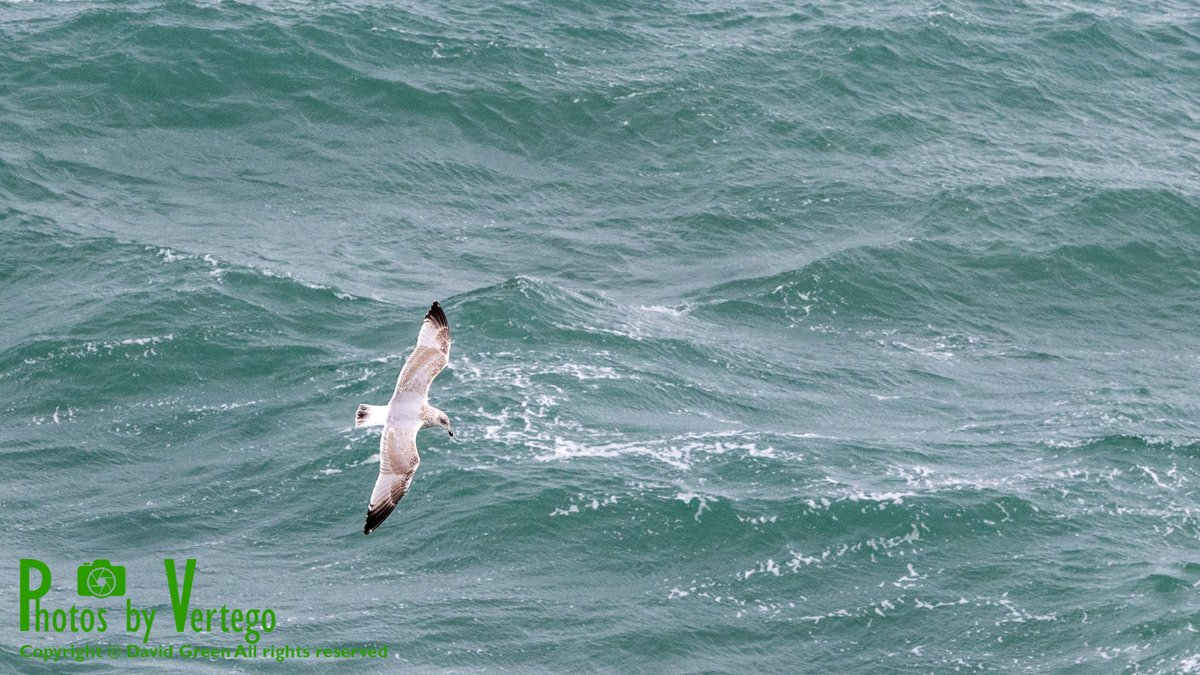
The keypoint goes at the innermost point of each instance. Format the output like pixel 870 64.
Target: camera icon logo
pixel 101 579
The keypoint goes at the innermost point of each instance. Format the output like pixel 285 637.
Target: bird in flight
pixel 407 413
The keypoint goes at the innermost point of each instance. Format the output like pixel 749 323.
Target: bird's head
pixel 432 417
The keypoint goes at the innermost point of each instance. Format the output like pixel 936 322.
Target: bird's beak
pixel 450 432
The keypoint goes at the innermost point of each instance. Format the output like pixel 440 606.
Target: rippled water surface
pixel 789 338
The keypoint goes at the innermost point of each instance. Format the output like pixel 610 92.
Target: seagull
pixel 407 413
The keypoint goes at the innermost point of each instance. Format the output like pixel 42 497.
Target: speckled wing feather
pixel 429 357
pixel 398 461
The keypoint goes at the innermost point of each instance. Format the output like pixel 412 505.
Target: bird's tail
pixel 369 415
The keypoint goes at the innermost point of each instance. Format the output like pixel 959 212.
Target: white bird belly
pixel 405 409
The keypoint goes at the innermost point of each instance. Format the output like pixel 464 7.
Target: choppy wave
pixel 852 337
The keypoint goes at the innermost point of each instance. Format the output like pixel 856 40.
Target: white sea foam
pixel 1154 476
pixel 701 502
pixel 516 370
pixel 678 451
pixel 681 310
pixel 169 255
pixel 347 380
pixel 593 503
pixel 119 346
pixel 274 274
pixel 869 546
pixel 223 407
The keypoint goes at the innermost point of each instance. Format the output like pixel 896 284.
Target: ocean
pixel 788 337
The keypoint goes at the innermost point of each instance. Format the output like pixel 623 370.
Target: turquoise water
pixel 787 338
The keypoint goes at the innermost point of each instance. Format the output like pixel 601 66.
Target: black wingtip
pixel 437 316
pixel 376 516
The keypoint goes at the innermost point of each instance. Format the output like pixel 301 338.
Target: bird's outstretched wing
pixel 429 357
pixel 398 461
